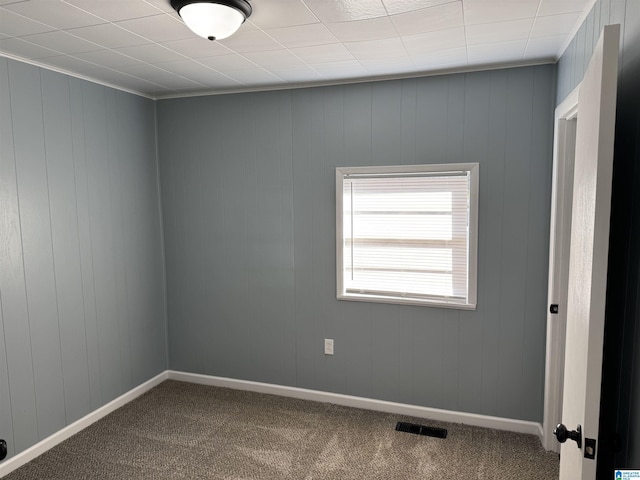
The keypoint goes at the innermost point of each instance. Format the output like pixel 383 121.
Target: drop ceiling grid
pixel 142 45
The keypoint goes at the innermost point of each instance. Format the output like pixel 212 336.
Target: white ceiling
pixel 142 45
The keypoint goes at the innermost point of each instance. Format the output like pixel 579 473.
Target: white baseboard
pixel 477 420
pixel 51 441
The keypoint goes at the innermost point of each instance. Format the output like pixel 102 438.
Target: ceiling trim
pixel 328 83
pixel 74 75
pixel 382 78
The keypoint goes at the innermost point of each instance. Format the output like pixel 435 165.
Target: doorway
pixel 566 120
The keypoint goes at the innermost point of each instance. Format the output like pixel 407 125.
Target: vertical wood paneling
pixel 278 208
pixel 269 253
pixel 357 340
pixel 85 242
pixel 475 145
pixel 287 242
pixel 588 36
pixel 7 203
pixel 538 211
pixel 252 158
pixel 33 196
pixel 319 206
pixel 235 229
pixel 408 122
pixel 12 284
pixel 117 221
pixel 307 374
pixel 6 423
pixel 65 245
pixel 102 234
pixel 492 199
pixel 333 139
pixel 580 54
pixel 431 130
pixel 597 26
pixel 172 222
pixel 514 251
pixel 428 352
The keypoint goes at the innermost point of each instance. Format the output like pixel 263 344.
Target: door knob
pixel 562 434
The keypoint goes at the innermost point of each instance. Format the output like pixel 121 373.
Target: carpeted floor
pixel 180 430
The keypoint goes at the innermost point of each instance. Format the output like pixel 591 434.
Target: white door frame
pixel 564 141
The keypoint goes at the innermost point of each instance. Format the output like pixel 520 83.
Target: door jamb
pixel 560 231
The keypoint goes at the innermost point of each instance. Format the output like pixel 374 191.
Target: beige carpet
pixel 180 430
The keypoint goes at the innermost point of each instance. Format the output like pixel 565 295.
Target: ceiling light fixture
pixel 213 20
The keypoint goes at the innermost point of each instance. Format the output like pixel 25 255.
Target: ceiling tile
pixel 389 67
pixel 274 59
pixel 545 47
pixel 452 58
pixel 115 10
pixel 57 14
pixel 554 7
pixel 499 31
pixel 62 42
pixel 228 63
pixel 20 48
pixel 160 76
pixel 15 25
pixel 163 5
pixel 496 53
pixel 194 71
pixel 197 47
pixel 489 11
pixel 346 10
pixel 434 41
pixel 346 68
pixel 431 19
pixel 250 41
pixel 256 76
pixel 298 74
pixel 303 35
pixel 323 53
pixel 69 63
pixel 107 58
pixel 554 25
pixel 113 77
pixel 372 29
pixel 387 49
pixel 151 53
pixel 108 35
pixel 402 6
pixel 158 28
pixel 283 13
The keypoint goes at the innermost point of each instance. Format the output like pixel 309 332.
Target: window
pixel 408 234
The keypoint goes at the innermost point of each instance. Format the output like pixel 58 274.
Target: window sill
pixel 405 301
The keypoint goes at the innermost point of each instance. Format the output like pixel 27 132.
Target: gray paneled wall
pixel 249 220
pixel 621 381
pixel 82 305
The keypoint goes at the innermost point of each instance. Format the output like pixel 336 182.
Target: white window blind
pixel 407 236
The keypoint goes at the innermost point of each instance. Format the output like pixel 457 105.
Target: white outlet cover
pixel 328 346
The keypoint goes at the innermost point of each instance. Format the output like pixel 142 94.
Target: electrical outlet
pixel 328 346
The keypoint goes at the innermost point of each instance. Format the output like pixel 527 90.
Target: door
pixel 589 249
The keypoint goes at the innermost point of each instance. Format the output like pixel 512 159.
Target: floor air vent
pixel 421 430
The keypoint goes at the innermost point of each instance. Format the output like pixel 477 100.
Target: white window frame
pixel 403 170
